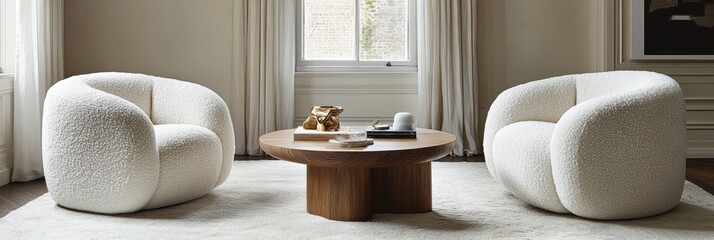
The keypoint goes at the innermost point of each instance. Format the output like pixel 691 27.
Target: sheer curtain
pixel 264 58
pixel 38 66
pixel 447 70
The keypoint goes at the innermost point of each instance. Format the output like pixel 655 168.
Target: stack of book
pixel 390 133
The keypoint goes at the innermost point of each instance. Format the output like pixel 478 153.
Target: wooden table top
pixel 385 152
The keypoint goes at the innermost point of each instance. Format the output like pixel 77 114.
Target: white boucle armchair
pixel 608 145
pixel 122 142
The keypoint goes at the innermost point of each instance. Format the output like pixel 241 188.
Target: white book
pixel 302 134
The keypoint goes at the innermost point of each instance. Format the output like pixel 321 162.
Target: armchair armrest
pixel 628 148
pixel 544 100
pixel 99 151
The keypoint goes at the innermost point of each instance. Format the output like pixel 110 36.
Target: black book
pixel 390 133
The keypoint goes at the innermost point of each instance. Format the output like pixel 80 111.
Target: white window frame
pixel 8 10
pixel 356 65
pixel 3 31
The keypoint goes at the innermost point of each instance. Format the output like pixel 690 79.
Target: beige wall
pixel 524 40
pixel 518 41
pixel 182 39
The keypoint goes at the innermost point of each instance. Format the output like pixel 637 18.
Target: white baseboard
pixel 700 153
pixel 5 165
pixel 5 176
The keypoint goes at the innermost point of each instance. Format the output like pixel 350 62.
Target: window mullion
pixel 357 31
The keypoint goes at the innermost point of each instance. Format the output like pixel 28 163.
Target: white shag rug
pixel 266 200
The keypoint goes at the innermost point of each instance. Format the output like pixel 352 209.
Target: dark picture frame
pixel 672 29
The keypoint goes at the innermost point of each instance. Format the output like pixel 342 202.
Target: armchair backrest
pixel 593 85
pixel 133 87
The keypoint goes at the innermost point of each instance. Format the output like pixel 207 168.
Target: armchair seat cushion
pixel 522 158
pixel 189 157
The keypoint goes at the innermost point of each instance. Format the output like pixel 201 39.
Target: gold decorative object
pixel 323 118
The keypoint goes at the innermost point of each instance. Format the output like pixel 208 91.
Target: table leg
pixel 405 189
pixel 339 193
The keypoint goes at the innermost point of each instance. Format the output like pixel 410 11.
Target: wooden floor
pixel 701 173
pixel 15 195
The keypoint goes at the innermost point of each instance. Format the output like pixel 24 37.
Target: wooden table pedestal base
pixel 353 194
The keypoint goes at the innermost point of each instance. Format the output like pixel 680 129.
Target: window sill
pixel 6 83
pixel 355 78
pixel 7 75
pixel 393 69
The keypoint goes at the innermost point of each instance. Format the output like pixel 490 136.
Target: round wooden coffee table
pixel 349 184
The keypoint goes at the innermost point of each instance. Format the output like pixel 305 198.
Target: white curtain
pixel 447 70
pixel 264 57
pixel 38 66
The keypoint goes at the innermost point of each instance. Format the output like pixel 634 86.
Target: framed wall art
pixel 672 29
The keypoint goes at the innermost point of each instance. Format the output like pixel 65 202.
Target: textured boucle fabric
pixel 521 155
pixel 135 88
pixel 618 151
pixel 196 105
pixel 544 100
pixel 102 151
pixel 190 165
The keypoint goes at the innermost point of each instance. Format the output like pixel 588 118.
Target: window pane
pixel 329 30
pixel 383 33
